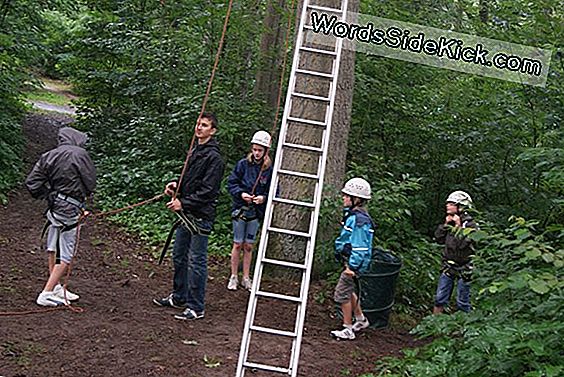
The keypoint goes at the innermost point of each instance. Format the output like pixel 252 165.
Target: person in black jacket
pixel 196 202
pixel 457 255
pixel 64 176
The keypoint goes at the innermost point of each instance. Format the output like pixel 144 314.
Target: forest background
pixel 416 133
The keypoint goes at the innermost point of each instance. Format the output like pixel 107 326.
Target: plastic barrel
pixel 377 287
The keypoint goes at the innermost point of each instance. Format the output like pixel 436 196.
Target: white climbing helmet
pixel 261 138
pixel 460 198
pixel 357 187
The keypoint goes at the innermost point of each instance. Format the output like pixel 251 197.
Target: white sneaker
pixel 361 325
pixel 247 283
pixel 344 334
pixel 59 291
pixel 233 282
pixel 48 298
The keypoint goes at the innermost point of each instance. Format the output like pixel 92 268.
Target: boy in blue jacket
pixel 354 248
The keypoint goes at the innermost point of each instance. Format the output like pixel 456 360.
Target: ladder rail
pixel 317 196
pixel 243 362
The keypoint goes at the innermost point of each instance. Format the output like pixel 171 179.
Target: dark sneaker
pixel 189 314
pixel 169 302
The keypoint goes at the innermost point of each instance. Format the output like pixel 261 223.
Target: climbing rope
pixel 188 155
pixel 206 96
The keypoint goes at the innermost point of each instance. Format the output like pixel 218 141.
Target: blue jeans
pixel 190 258
pixel 444 291
pixel 245 231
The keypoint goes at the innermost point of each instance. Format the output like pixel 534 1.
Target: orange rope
pixel 206 97
pixel 81 219
pixel 113 212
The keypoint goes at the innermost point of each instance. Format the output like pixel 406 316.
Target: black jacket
pixel 199 189
pixel 66 169
pixel 458 248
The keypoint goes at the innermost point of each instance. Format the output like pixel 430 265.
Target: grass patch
pixel 43 95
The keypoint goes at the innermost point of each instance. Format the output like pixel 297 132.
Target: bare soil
pixel 119 331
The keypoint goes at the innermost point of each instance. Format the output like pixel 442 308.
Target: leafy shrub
pixel 517 326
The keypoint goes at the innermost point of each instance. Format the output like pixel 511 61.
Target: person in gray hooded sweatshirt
pixel 64 176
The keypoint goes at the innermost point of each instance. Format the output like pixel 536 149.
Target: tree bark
pixel 271 53
pixel 293 248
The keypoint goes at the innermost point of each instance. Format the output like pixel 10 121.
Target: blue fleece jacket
pixel 355 241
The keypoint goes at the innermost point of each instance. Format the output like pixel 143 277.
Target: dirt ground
pixel 119 331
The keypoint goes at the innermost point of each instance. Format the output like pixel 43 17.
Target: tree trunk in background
pixel 337 156
pixel 484 12
pixel 292 248
pixel 271 52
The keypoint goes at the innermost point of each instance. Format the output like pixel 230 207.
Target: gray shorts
pixel 344 289
pixel 58 241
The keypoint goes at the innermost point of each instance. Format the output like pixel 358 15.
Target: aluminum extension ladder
pixel 303 73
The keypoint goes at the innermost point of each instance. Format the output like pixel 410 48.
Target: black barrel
pixel 377 287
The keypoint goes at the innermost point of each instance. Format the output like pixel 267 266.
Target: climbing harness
pixel 246 213
pixel 190 223
pixel 453 270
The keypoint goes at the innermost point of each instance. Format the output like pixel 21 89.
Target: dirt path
pixel 120 332
pixel 69 110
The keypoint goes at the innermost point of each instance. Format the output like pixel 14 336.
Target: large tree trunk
pixel 292 248
pixel 271 53
pixel 336 159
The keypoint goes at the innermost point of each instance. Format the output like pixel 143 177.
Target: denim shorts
pixel 244 231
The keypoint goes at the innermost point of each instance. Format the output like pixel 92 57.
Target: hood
pixel 211 144
pixel 70 136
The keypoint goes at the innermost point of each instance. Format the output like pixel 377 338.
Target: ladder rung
pixel 298 174
pixel 293 202
pixel 307 121
pixel 269 368
pixel 284 263
pixel 273 331
pixel 318 51
pixel 314 73
pixel 288 231
pixel 325 9
pixel 304 147
pixel 279 296
pixel 309 96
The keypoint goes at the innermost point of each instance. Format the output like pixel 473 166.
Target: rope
pixel 113 212
pixel 81 219
pixel 157 197
pixel 206 96
pixel 281 81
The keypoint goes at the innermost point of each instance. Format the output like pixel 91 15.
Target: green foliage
pixel 18 48
pixel 517 326
pixel 500 141
pixel 141 70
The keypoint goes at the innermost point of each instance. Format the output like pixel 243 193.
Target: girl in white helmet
pixel 354 248
pixel 248 184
